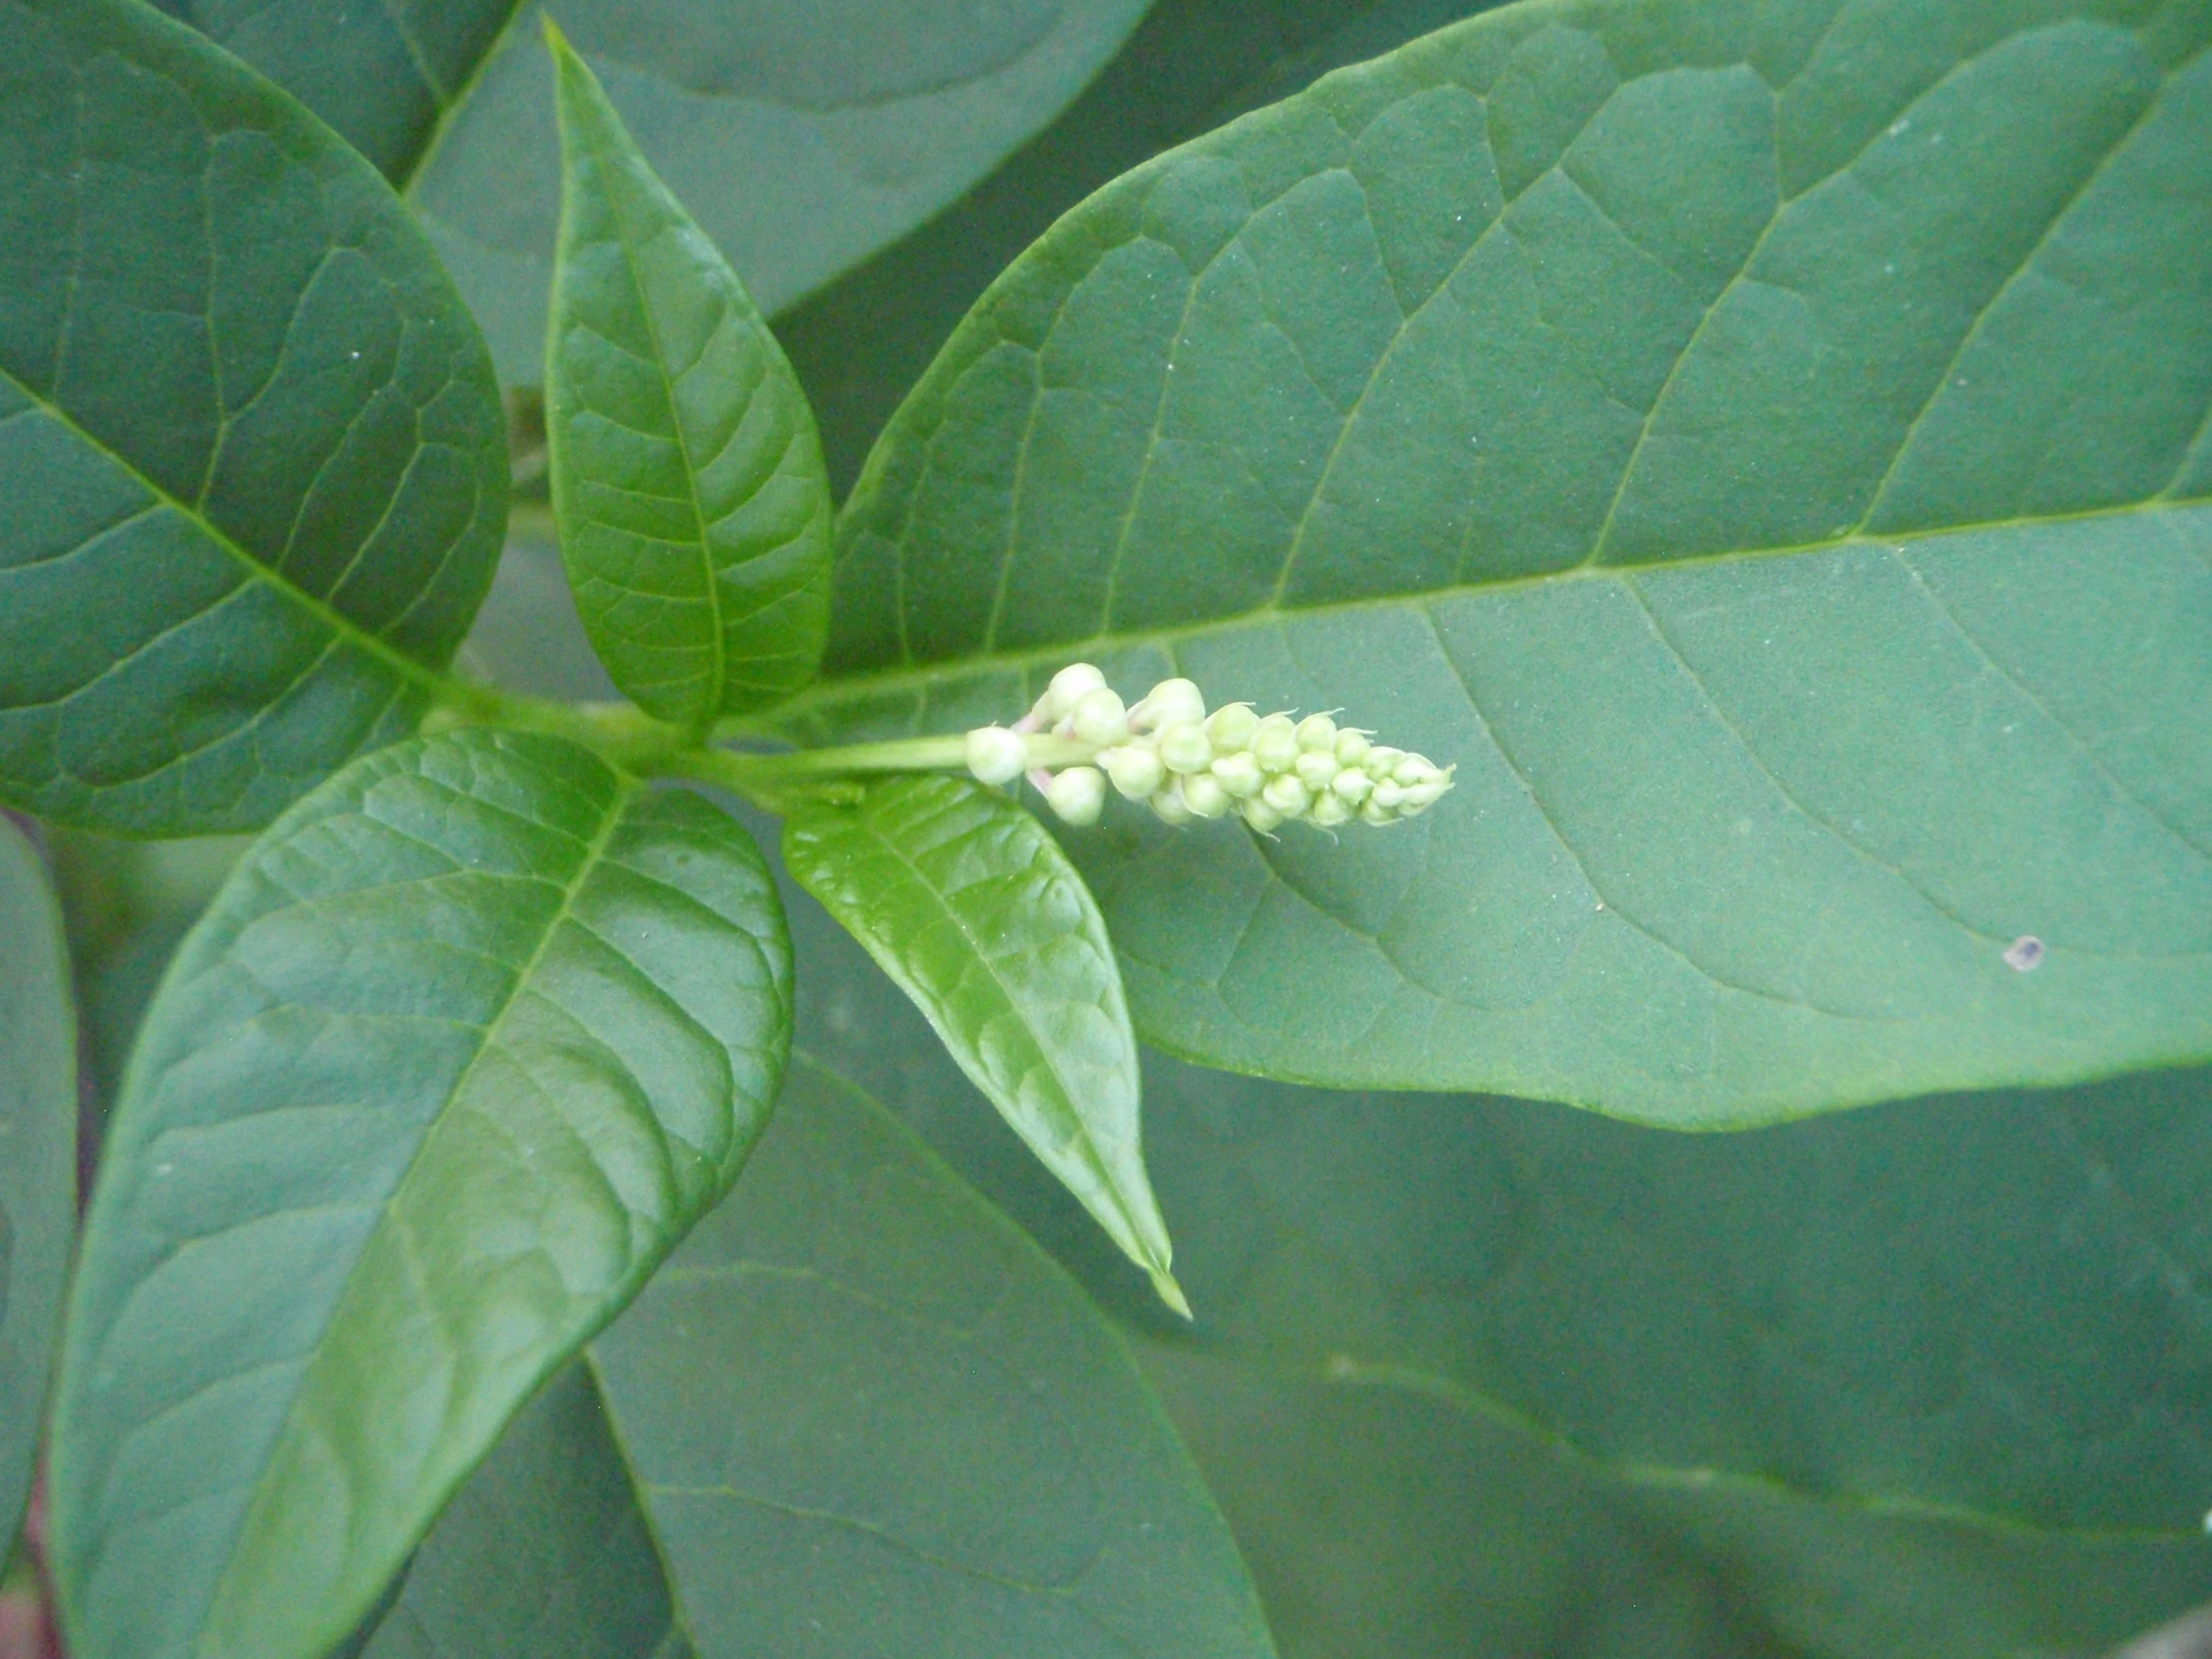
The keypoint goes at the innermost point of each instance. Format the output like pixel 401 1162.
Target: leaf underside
pixel 464 1045
pixel 1770 459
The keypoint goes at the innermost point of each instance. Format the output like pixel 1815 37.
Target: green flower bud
pixel 1067 688
pixel 1261 816
pixel 1169 805
pixel 1316 768
pixel 1240 775
pixel 1275 744
pixel 1316 731
pixel 1424 796
pixel 1287 796
pixel 1169 702
pixel 1388 795
pixel 1382 760
pixel 995 755
pixel 1231 728
pixel 1184 748
pixel 1351 746
pixel 1414 769
pixel 1328 811
pixel 1098 717
pixel 1078 794
pixel 1136 772
pixel 1375 814
pixel 1204 796
pixel 1352 787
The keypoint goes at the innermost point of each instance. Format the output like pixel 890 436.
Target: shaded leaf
pixel 248 436
pixel 464 1045
pixel 970 907
pixel 389 77
pixel 1811 597
pixel 38 1158
pixel 686 476
pixel 544 1554
pixel 871 1419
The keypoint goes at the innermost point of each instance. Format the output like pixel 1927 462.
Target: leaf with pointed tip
pixel 463 1046
pixel 869 1417
pixel 687 481
pixel 544 1554
pixel 250 446
pixel 975 913
pixel 38 1157
pixel 1766 449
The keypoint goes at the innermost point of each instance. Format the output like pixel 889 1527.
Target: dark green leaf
pixel 973 911
pixel 544 1554
pixel 1770 458
pixel 38 1157
pixel 870 1421
pixel 803 136
pixel 464 1045
pixel 387 76
pixel 249 437
pixel 686 476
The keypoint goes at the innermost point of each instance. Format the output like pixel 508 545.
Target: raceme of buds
pixel 1187 763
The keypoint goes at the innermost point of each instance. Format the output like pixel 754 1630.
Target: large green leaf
pixel 973 910
pixel 250 442
pixel 38 1157
pixel 871 1419
pixel 544 1554
pixel 465 1044
pixel 1768 455
pixel 686 476
pixel 389 77
pixel 1924 1381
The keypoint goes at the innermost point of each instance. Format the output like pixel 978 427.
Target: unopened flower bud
pixel 1414 769
pixel 1240 775
pixel 1316 731
pixel 995 755
pixel 1204 796
pixel 1261 816
pixel 1275 744
pixel 1388 795
pixel 1099 717
pixel 1376 815
pixel 1427 794
pixel 1230 729
pixel 1328 811
pixel 1137 773
pixel 1078 794
pixel 1184 748
pixel 1351 747
pixel 1068 689
pixel 1169 702
pixel 1169 805
pixel 1382 760
pixel 1352 786
pixel 1285 795
pixel 1316 768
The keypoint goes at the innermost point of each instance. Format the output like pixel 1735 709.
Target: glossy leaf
pixel 38 1158
pixel 250 440
pixel 1923 1381
pixel 971 910
pixel 1810 593
pixel 387 77
pixel 871 1419
pixel 544 1554
pixel 687 477
pixel 803 136
pixel 464 1045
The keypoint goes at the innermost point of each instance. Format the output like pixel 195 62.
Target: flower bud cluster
pixel 1186 763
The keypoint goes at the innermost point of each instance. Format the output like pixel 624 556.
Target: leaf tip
pixel 1172 1294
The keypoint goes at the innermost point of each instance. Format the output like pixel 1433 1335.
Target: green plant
pixel 1762 452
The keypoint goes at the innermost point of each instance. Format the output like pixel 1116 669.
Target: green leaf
pixel 249 437
pixel 1923 1381
pixel 861 342
pixel 687 477
pixel 973 911
pixel 38 1158
pixel 544 1554
pixel 387 77
pixel 464 1045
pixel 869 1418
pixel 1770 458
pixel 803 136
